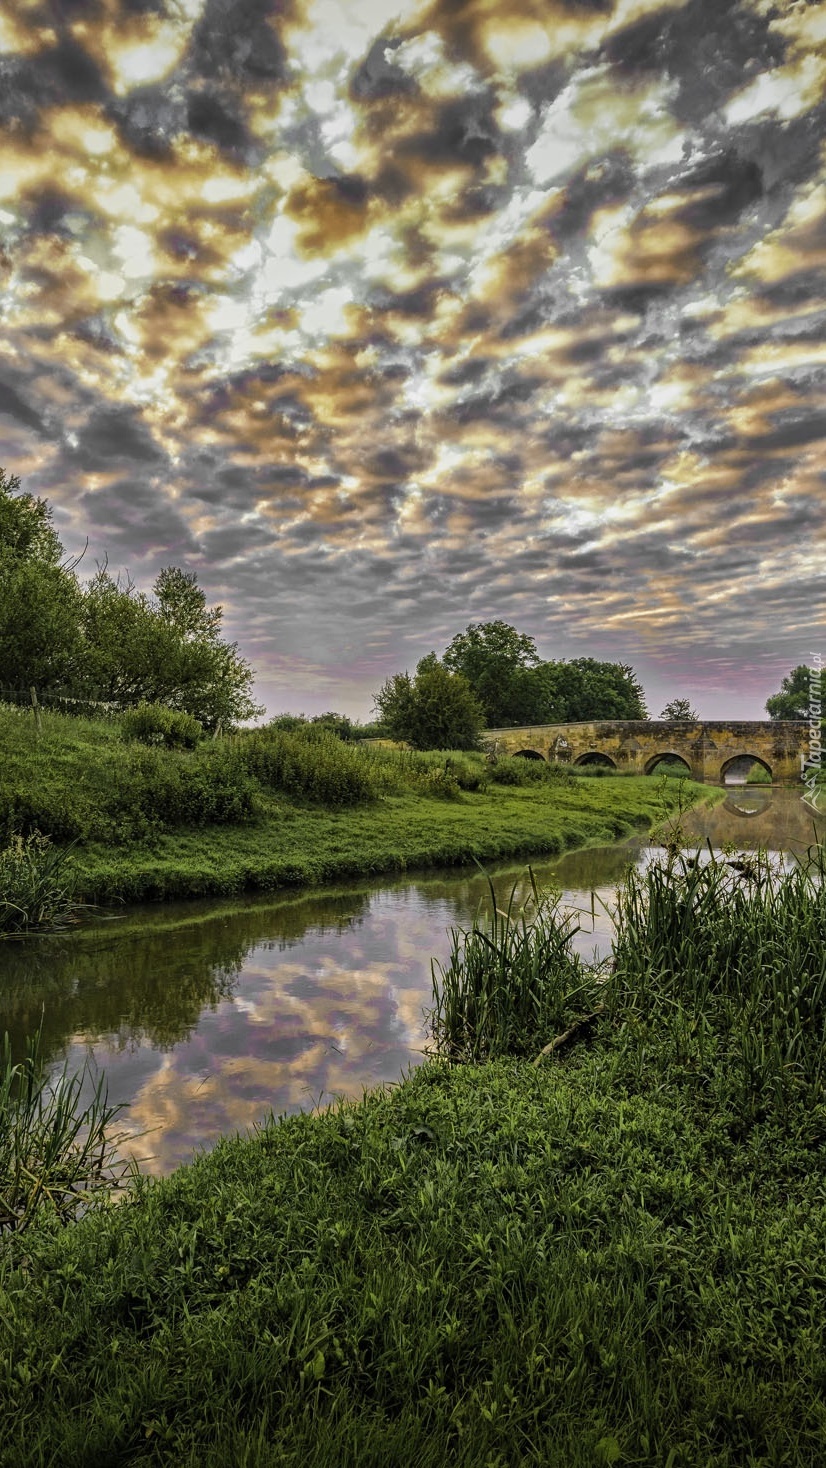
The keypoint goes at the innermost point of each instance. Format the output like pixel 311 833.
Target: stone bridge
pixel 712 750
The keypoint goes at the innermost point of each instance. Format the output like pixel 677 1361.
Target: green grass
pixel 267 810
pixel 615 1255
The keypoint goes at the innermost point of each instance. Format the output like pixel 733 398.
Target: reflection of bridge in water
pixel 715 751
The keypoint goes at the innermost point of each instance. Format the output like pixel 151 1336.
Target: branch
pixel 578 1024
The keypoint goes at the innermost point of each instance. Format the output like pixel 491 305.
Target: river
pixel 207 1015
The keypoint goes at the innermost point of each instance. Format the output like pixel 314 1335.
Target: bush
pixel 154 723
pixel 311 762
pixel 150 790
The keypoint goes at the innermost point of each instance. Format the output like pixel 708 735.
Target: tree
pixel 40 597
pixel 586 688
pixel 26 530
pixel 679 708
pixel 164 650
pixel 435 710
pixel 797 691
pixel 109 641
pixel 494 658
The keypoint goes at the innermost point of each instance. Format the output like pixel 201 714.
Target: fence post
pixel 36 707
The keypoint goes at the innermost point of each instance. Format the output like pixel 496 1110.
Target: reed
pixel 37 885
pixel 56 1156
pixel 724 962
pixel 512 980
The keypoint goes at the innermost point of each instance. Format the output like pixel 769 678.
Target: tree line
pixel 491 677
pixel 105 641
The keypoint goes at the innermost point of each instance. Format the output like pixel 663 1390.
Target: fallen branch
pixel 578 1024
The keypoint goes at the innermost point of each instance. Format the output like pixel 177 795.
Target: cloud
pixel 385 317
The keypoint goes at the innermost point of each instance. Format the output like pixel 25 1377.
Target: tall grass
pixel 512 981
pixel 56 1156
pixel 310 762
pixel 37 885
pixel 725 964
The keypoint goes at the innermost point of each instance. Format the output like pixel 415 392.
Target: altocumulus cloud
pixel 384 317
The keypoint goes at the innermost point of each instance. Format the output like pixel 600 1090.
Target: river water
pixel 207 1015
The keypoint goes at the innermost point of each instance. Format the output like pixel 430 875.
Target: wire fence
pixel 59 701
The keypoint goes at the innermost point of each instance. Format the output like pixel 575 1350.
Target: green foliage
pixel 512 981
pixel 147 790
pixel 493 657
pixel 76 782
pixel 589 1261
pixel 435 710
pixel 166 649
pixel 679 708
pixel 338 724
pixel 516 770
pixel 514 687
pixel 107 641
pixel 154 723
pixel 311 761
pixel 724 961
pixel 56 1155
pixel 585 688
pixel 801 691
pixel 145 817
pixel 37 885
pixel 26 530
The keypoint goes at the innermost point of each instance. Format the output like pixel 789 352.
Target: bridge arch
pixel 595 757
pixel 667 757
pixel 528 754
pixel 742 765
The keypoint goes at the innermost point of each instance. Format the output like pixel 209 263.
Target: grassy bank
pixel 265 811
pixel 612 1256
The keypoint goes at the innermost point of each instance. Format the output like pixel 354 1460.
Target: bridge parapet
pixel 708 747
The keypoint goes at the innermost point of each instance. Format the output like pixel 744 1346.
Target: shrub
pixel 312 762
pixel 154 723
pixel 150 790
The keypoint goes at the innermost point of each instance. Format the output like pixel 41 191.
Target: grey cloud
pixel 217 121
pixel 12 404
pixel 708 47
pixel 237 40
pixel 377 77
pixel 115 433
pixel 464 130
pixel 149 118
pixel 62 73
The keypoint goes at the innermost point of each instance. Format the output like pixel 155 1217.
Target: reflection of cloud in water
pixel 347 1014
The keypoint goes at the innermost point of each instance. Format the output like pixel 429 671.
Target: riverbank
pixel 266 810
pixel 610 1257
pixel 297 844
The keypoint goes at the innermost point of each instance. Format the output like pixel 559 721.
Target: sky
pixel 388 318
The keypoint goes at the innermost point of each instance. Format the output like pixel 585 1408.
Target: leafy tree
pixel 26 530
pixel 435 710
pixel 40 597
pixel 586 688
pixel 494 658
pixel 795 696
pixel 108 640
pixel 164 650
pixel 679 708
